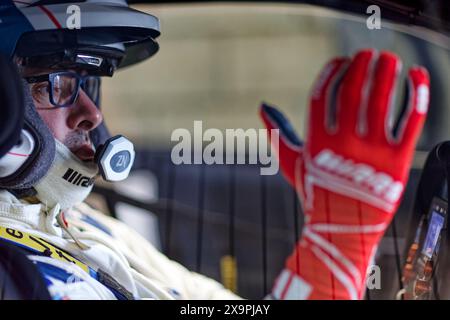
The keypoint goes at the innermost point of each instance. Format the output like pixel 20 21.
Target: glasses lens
pixel 92 88
pixel 64 89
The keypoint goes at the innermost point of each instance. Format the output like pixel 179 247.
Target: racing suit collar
pixel 34 216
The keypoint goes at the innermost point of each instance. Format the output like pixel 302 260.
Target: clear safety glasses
pixel 62 88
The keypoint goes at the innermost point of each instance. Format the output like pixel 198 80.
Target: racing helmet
pixel 99 36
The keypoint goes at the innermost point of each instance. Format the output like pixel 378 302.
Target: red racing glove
pixel 351 172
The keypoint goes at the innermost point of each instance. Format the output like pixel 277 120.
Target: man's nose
pixel 84 113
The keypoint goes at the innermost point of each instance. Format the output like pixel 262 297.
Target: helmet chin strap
pixel 68 181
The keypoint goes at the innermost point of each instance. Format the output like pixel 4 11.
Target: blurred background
pixel 217 63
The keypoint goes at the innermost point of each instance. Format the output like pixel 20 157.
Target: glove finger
pixel 289 146
pixel 411 123
pixel 351 92
pixel 322 94
pixel 381 98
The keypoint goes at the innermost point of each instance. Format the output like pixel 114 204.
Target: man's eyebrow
pixel 31 73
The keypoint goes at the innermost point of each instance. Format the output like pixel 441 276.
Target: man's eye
pixel 40 93
pixel 41 89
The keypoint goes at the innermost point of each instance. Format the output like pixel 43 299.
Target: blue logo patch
pixel 120 161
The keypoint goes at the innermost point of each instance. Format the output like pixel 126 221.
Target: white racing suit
pixel 119 263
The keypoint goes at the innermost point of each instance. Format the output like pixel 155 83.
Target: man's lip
pixel 85 153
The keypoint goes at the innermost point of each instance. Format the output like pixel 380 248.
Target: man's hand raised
pixel 351 171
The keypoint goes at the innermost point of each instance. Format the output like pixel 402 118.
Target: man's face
pixel 70 125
